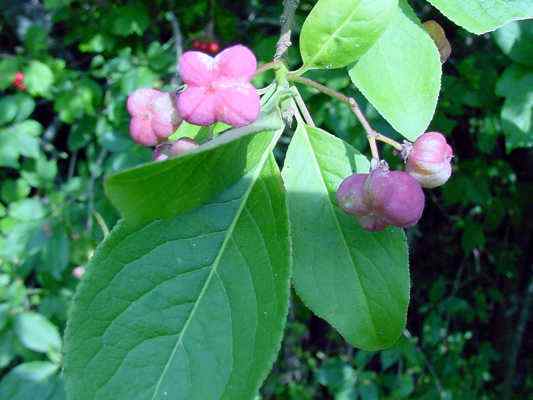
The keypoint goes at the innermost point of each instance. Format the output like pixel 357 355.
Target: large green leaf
pixel 400 75
pixel 481 16
pixel 191 306
pixel 338 32
pixel 516 40
pixel 356 280
pixel 516 84
pixel 156 190
pixel 38 380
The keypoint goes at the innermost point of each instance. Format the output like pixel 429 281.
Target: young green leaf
pixel 481 16
pixel 356 280
pixel 517 111
pixel 28 380
pixel 157 190
pixel 516 40
pixel 188 307
pixel 36 333
pixel 400 75
pixel 337 32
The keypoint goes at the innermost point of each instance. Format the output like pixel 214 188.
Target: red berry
pixel 203 46
pixel 213 47
pixel 196 44
pixel 18 81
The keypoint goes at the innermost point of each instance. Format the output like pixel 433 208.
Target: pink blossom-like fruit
pixel 167 150
pixel 382 198
pixel 154 116
pixel 219 88
pixel 429 160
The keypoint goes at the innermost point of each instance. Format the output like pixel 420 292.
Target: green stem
pixel 372 135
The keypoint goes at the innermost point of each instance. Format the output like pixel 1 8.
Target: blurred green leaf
pixel 129 19
pixel 55 253
pixel 516 84
pixel 8 68
pixel 36 39
pixel 13 190
pixel 39 78
pixel 28 380
pixel 516 40
pixel 83 97
pixel 27 209
pixel 37 333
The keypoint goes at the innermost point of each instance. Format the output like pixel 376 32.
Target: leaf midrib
pixel 334 34
pixel 216 263
pixel 306 135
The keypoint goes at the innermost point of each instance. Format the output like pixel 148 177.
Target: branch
pixel 178 42
pixel 517 342
pixel 371 134
pixel 287 20
pixel 429 366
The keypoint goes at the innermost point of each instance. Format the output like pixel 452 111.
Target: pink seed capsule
pixel 429 160
pixel 168 150
pixel 382 198
pixel 154 116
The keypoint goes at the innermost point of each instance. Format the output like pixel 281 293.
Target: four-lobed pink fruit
pixel 154 116
pixel 382 198
pixel 166 150
pixel 429 160
pixel 219 88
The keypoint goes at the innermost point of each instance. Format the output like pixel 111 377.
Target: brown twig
pixel 178 44
pixel 372 135
pixel 266 67
pixel 287 20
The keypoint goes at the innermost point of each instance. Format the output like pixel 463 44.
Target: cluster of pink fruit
pixel 382 197
pixel 217 89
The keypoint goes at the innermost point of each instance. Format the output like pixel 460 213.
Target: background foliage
pixel 471 272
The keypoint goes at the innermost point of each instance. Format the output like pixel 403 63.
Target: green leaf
pixel 38 77
pixel 400 75
pixel 17 107
pixel 19 140
pixel 14 190
pixel 129 19
pixel 27 209
pixel 337 32
pixel 7 349
pixel 83 98
pixel 155 190
pixel 8 109
pixel 356 280
pixel 516 40
pixel 55 254
pixel 26 381
pixel 36 40
pixel 481 16
pixel 137 78
pixel 36 333
pixel 8 68
pixel 188 307
pixel 516 84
